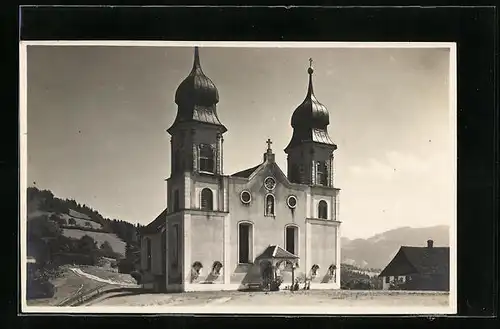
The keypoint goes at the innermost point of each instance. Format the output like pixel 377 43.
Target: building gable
pixel 398 266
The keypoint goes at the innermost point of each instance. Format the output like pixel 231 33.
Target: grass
pixel 116 243
pixel 67 284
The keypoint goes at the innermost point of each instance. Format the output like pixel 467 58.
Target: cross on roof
pixel 269 143
pixel 310 62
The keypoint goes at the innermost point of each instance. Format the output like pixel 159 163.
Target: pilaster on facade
pixel 167 256
pixel 218 158
pixel 187 191
pixel 221 155
pixel 338 254
pixel 195 157
pixel 308 248
pixel 186 275
pixel 227 249
pixel 331 171
pixel 313 172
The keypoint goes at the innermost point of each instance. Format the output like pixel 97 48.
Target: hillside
pixel 49 216
pixel 376 251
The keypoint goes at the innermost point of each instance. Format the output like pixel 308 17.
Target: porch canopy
pixel 276 255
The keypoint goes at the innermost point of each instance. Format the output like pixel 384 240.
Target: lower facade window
pixel 245 244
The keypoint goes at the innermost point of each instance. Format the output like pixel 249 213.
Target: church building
pixel 220 231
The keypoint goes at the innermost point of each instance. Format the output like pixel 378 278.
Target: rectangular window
pixel 244 243
pixel 290 239
pixel 176 203
pixel 387 279
pixel 175 245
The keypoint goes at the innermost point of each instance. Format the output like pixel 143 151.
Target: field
pixel 319 298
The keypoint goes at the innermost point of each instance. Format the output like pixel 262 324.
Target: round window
pixel 269 183
pixel 246 197
pixel 292 201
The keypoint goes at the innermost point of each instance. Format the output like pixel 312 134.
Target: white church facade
pixel 219 231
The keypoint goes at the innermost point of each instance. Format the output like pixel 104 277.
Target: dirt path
pixel 96 278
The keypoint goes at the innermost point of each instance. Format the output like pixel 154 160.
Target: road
pixel 282 298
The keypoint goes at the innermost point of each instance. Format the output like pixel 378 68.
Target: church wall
pixel 324 246
pixel 156 261
pixel 198 184
pixel 175 245
pixel 206 247
pixel 266 230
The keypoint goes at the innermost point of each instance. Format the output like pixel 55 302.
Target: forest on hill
pixel 48 219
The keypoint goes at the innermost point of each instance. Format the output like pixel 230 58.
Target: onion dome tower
pixel 197 131
pixel 310 151
pixel 197 98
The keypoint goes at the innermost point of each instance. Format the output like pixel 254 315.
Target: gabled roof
pixel 156 225
pixel 276 252
pixel 419 260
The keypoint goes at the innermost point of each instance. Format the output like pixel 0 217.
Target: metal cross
pixel 310 62
pixel 269 144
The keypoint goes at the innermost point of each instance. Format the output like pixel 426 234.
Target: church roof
pixel 276 252
pixel 419 260
pixel 156 225
pixel 247 172
pixel 197 98
pixel 310 120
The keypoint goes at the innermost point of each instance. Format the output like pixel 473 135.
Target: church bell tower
pixel 310 151
pixel 197 141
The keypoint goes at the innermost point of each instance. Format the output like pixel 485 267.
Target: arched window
pixel 207 199
pixel 322 209
pixel 269 205
pixel 321 173
pixel 206 158
pixel 148 254
pixel 245 243
pixel 292 239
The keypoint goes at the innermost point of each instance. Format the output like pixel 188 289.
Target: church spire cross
pixel 310 62
pixel 268 142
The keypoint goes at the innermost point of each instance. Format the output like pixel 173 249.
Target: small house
pixel 418 268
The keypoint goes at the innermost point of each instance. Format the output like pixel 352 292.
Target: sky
pixel 96 121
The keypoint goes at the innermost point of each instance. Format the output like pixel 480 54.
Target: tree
pixel 42 227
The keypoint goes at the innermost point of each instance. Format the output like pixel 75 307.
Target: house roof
pixel 276 252
pixel 421 260
pixel 156 225
pixel 247 172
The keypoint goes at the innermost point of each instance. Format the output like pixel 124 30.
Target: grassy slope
pixel 116 243
pixel 70 283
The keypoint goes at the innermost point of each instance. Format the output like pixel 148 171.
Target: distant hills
pixel 377 251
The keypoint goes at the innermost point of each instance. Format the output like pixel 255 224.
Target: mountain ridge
pixel 377 251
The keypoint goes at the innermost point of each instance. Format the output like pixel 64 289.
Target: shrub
pixel 125 266
pixel 137 276
pixel 38 284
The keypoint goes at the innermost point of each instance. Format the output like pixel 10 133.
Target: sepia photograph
pixel 238 177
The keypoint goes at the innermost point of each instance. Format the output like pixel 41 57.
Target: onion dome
pixel 197 98
pixel 310 119
pixel 197 88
